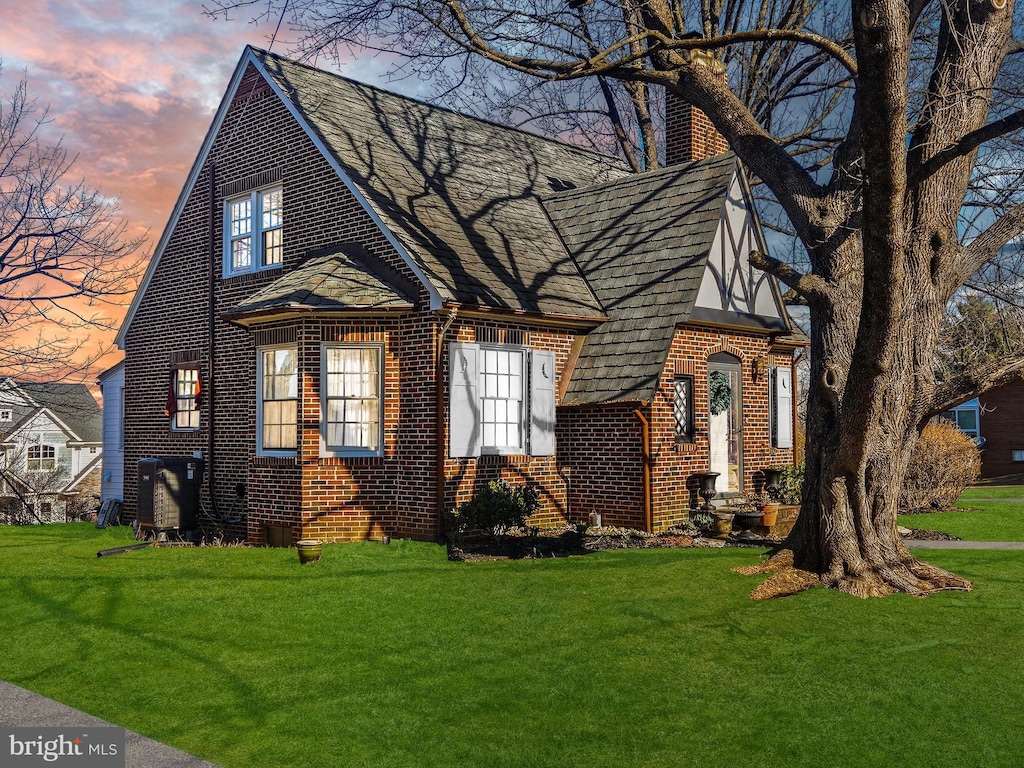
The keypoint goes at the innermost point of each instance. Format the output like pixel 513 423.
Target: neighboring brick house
pixel 364 306
pixel 996 420
pixel 50 451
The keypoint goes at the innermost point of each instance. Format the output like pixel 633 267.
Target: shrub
pixel 495 509
pixel 792 484
pixel 945 461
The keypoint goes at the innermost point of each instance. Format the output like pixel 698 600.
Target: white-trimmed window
pixel 277 373
pixel 351 379
pixel 966 417
pixel 41 458
pixel 501 400
pixel 186 399
pixel 254 231
pixel 1017 455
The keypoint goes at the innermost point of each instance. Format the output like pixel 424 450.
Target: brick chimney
pixel 689 134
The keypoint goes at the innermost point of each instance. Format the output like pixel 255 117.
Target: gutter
pixel 645 448
pixel 439 420
pixel 214 265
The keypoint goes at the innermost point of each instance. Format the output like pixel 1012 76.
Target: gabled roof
pixel 461 194
pixel 642 243
pixel 72 404
pixel 456 196
pixel 345 278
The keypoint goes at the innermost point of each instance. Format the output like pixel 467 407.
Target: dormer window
pixel 253 231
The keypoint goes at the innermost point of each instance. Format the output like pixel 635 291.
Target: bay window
pixel 277 374
pixel 351 382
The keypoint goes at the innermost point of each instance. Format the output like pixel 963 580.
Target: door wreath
pixel 719 392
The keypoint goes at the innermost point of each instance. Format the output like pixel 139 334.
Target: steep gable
pixel 461 194
pixel 643 244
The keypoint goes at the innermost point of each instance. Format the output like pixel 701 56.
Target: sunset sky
pixel 132 87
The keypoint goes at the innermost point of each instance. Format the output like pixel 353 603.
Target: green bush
pixel 495 509
pixel 945 461
pixel 792 484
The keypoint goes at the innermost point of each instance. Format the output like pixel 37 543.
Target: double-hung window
pixel 185 399
pixel 351 382
pixel 41 458
pixel 254 231
pixel 277 373
pixel 501 400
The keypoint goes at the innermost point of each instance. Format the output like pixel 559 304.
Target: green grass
pixel 392 656
pixel 994 492
pixel 979 520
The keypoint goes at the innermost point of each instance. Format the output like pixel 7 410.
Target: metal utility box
pixel 169 493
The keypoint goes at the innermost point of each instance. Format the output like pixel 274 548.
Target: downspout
pixel 214 261
pixel 645 448
pixel 439 421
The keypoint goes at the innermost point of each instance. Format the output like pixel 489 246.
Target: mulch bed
pixel 567 541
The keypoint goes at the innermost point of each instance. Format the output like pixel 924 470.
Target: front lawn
pixel 979 520
pixel 392 656
pixel 994 492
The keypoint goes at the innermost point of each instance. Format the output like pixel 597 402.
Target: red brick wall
pixel 599 464
pixel 604 444
pixel 1002 426
pixel 258 136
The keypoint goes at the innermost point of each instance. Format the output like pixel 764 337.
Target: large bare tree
pixel 65 256
pixel 898 183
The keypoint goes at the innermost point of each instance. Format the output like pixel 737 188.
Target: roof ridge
pixel 424 103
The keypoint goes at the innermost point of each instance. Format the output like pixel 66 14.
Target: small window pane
pixel 241 253
pixel 241 217
pixel 967 420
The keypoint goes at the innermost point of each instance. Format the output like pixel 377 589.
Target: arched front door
pixel 725 421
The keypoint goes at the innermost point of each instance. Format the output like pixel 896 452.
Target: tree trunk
pixel 862 433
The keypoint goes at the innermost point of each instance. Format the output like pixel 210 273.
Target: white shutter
pixel 463 400
pixel 542 403
pixel 782 407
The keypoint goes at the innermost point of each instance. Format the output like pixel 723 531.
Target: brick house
pixel 364 306
pixel 994 418
pixel 50 451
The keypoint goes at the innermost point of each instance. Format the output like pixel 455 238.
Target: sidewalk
pixel 21 708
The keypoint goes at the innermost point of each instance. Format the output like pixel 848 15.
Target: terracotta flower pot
pixel 310 550
pixel 771 515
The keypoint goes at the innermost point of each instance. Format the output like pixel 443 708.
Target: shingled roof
pixel 345 278
pixel 73 404
pixel 461 194
pixel 642 243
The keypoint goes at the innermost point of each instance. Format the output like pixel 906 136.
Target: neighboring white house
pixel 111 384
pixel 51 440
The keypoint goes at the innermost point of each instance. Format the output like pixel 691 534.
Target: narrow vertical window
pixel 352 399
pixel 185 415
pixel 272 226
pixel 241 235
pixel 682 409
pixel 278 406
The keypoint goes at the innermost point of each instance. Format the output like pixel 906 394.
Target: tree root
pixel 908 576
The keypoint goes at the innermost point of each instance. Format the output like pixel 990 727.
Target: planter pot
pixel 745 521
pixel 309 550
pixel 723 525
pixel 771 515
